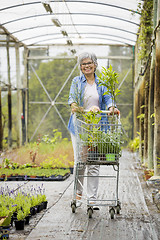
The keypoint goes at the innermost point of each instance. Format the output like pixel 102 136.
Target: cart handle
pixel 104 111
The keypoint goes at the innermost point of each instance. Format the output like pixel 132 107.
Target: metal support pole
pixel 19 97
pixel 151 97
pixel 157 99
pixel 141 100
pixel 133 65
pixel 23 117
pixel 1 127
pixel 9 98
pixel 25 99
pixel 136 98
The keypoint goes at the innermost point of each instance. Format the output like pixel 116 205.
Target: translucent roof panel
pixel 71 21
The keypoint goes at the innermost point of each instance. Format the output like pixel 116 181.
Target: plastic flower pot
pixel 33 210
pixel 45 204
pixel 19 224
pixel 27 218
pixel 110 157
pixel 92 153
pixel 71 170
pixel 4 232
pixel 41 206
pixel 38 208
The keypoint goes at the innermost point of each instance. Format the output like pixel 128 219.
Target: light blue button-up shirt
pixel 77 94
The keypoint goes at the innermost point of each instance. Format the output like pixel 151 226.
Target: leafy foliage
pixel 91 117
pixel 7 219
pixel 19 202
pixel 110 142
pixel 103 137
pixel 146 28
pixel 49 150
pixel 134 144
pixel 109 79
pixel 20 215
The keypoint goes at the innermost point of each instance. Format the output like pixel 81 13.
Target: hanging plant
pixel 146 28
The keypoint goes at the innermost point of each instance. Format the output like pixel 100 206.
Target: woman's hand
pixel 76 108
pixel 94 109
pixel 113 111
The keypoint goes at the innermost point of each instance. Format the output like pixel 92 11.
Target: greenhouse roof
pixel 70 22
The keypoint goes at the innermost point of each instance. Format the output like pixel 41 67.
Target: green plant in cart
pixel 110 142
pixel 109 79
pixel 90 136
pixel 92 117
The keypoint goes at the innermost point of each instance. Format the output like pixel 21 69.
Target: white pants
pixel 92 170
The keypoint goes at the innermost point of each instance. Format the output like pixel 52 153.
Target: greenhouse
pixel 40 44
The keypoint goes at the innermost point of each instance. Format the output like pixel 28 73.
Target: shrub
pixel 134 144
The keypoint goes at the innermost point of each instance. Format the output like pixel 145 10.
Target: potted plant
pixel 99 143
pixel 5 220
pixel 34 203
pixel 89 135
pixel 42 200
pixel 110 145
pixel 19 223
pixel 109 79
pixel 5 214
pixel 39 203
pixel 26 209
pixel 148 173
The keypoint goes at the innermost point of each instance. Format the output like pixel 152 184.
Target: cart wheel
pixel 112 212
pixel 118 209
pixel 90 212
pixel 73 206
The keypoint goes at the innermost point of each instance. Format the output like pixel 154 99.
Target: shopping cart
pixel 98 142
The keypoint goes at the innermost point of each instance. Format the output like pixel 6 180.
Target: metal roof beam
pixel 99 34
pixel 90 14
pixel 14 39
pixel 91 25
pixel 76 1
pixel 73 57
pixel 100 3
pixel 79 44
pixel 108 39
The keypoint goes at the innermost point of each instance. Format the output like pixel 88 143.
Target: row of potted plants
pixel 47 170
pixel 49 163
pixel 17 207
pixel 29 173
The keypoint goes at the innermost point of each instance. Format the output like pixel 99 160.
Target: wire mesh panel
pixel 98 142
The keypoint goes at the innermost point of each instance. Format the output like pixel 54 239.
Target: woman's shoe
pixel 94 206
pixel 78 204
pixel 78 200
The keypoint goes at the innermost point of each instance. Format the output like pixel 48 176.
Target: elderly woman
pixel 85 93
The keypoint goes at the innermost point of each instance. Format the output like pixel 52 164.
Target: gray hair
pixel 85 55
